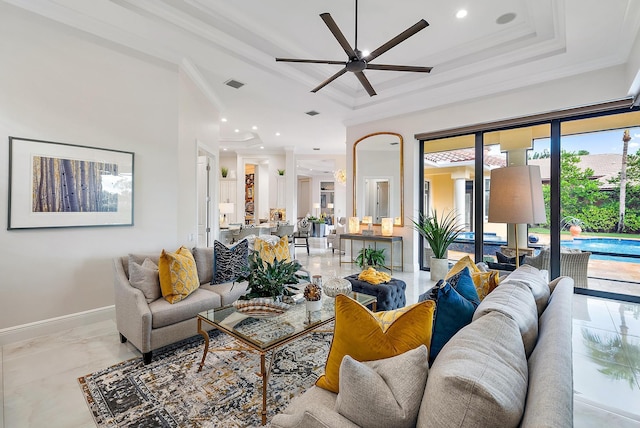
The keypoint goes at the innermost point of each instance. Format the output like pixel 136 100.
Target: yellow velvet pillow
pixel 268 253
pixel 178 274
pixel 367 336
pixel 484 282
pixel 461 264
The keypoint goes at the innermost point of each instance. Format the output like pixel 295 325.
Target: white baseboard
pixel 54 325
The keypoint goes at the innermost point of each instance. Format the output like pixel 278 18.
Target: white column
pixel 458 198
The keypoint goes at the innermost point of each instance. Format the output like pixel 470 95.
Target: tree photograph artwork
pixel 66 185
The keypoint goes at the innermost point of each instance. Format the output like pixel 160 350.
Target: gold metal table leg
pixel 263 373
pixel 206 343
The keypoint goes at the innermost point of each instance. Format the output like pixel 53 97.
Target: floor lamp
pixel 516 197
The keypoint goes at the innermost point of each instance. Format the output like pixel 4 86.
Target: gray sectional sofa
pixel 152 325
pixel 511 366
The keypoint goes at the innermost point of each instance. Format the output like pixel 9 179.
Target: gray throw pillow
pixel 145 278
pixel 479 379
pixel 383 393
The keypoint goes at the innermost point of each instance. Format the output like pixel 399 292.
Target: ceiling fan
pixel 357 62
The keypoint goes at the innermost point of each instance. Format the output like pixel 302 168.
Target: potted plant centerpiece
pixel 439 232
pixel 370 257
pixel 573 224
pixel 268 283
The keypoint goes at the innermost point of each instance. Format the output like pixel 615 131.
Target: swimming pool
pixel 606 246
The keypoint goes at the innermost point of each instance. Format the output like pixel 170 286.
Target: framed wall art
pixel 53 185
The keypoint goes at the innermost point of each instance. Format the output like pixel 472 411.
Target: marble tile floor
pixel 39 376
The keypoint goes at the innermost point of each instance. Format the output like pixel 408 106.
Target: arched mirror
pixel 378 188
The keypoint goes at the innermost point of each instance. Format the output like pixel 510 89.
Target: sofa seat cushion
pixel 479 379
pixel 164 313
pixel 375 335
pixel 229 292
pixel 398 385
pixel 514 299
pixel 536 282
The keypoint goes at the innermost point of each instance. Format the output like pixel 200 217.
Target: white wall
pixel 58 84
pixel 585 89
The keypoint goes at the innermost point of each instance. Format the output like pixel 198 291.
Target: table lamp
pixel 354 225
pixel 225 208
pixel 368 220
pixel 387 226
pixel 516 198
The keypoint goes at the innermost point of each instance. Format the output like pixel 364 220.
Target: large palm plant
pixel 439 232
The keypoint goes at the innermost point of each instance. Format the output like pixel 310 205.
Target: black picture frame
pixel 60 185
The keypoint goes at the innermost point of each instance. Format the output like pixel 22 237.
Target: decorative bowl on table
pixel 334 286
pixel 260 307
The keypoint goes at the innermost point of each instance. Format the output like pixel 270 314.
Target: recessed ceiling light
pixel 461 13
pixel 236 130
pixel 224 119
pixel 224 149
pixel 506 18
pixel 277 134
pixel 254 127
pixel 262 147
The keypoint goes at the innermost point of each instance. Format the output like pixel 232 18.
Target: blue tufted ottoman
pixel 390 294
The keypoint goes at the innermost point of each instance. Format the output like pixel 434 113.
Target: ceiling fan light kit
pixel 357 62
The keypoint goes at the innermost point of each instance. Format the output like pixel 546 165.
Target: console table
pixel 375 239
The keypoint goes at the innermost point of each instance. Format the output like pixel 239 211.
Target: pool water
pixel 606 246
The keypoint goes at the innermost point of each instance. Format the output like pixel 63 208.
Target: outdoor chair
pixel 572 264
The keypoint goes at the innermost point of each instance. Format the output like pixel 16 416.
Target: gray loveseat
pixel 485 376
pixel 152 325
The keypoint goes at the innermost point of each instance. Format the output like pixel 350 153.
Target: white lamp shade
pixel 316 205
pixel 516 195
pixel 367 219
pixel 387 226
pixel 354 225
pixel 330 206
pixel 226 208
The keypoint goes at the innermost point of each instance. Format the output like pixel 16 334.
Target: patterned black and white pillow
pixel 228 263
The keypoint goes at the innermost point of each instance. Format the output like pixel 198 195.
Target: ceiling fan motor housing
pixel 355 65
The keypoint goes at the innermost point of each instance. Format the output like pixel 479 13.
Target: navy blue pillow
pixel 463 283
pixel 229 263
pixel 453 312
pixel 509 260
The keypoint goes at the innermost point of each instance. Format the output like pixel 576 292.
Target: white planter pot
pixel 439 268
pixel 314 305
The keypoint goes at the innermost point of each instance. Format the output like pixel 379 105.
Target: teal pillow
pixel 453 311
pixel 463 283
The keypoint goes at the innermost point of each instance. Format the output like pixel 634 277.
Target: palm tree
pixel 623 180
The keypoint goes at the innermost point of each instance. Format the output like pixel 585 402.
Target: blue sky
pixel 594 142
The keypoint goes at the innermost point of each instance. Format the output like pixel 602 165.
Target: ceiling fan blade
pixel 333 27
pixel 399 68
pixel 420 25
pixel 329 80
pixel 312 61
pixel 365 83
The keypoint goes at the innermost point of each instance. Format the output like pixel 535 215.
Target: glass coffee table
pixel 263 335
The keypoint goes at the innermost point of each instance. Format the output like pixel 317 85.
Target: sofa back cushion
pixel 537 283
pixel 145 277
pixel 204 263
pixel 479 379
pixel 514 299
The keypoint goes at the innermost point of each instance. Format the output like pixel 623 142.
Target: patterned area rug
pixel 170 392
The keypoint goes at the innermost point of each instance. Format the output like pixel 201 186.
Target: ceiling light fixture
pixel 236 130
pixel 254 127
pixel 461 13
pixel 224 119
pixel 261 147
pixel 277 134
